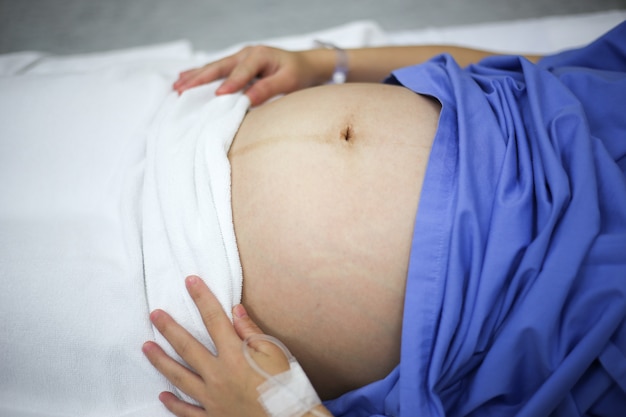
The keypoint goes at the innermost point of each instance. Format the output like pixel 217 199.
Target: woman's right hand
pixel 263 71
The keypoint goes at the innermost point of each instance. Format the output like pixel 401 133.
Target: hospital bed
pixel 84 105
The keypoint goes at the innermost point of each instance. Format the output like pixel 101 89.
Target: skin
pixel 276 71
pixel 225 384
pixel 324 197
pixel 325 187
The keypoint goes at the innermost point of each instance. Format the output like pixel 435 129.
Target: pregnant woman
pixel 504 295
pixel 448 243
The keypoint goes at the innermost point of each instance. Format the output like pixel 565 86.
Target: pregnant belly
pixel 325 188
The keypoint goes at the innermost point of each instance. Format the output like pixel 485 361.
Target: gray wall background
pixel 74 26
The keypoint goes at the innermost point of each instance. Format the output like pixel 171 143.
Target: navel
pixel 347 133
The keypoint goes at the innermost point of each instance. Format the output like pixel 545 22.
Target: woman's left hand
pixel 262 71
pixel 224 384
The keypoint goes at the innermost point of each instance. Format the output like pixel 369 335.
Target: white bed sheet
pixel 72 151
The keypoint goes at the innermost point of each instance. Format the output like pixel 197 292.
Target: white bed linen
pixel 72 306
pixel 73 136
pixel 98 160
pixel 187 225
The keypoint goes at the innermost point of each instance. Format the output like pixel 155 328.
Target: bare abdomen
pixel 326 184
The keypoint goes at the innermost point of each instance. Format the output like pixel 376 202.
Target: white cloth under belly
pixel 187 210
pixel 112 189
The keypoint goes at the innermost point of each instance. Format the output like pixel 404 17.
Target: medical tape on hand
pixel 287 394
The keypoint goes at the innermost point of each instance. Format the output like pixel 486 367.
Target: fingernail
pixel 147 347
pixel 163 397
pixel 239 311
pixel 223 89
pixel 192 280
pixel 155 315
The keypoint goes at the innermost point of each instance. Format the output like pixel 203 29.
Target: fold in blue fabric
pixel 516 293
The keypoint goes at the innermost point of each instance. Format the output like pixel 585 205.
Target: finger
pixel 181 377
pixel 180 408
pixel 185 76
pixel 259 61
pixel 264 89
pixel 281 82
pixel 240 77
pixel 199 77
pixel 260 92
pixel 187 346
pixel 267 355
pixel 215 319
pixel 206 74
pixel 210 72
pixel 244 326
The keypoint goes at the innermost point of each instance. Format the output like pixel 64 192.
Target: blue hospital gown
pixel 516 294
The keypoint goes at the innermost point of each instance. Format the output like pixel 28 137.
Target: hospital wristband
pixel 340 74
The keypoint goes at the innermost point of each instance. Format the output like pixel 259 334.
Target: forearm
pixel 264 72
pixel 374 64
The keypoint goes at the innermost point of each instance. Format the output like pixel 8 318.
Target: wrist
pixel 320 64
pixel 340 71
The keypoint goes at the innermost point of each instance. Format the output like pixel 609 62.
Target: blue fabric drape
pixel 516 293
